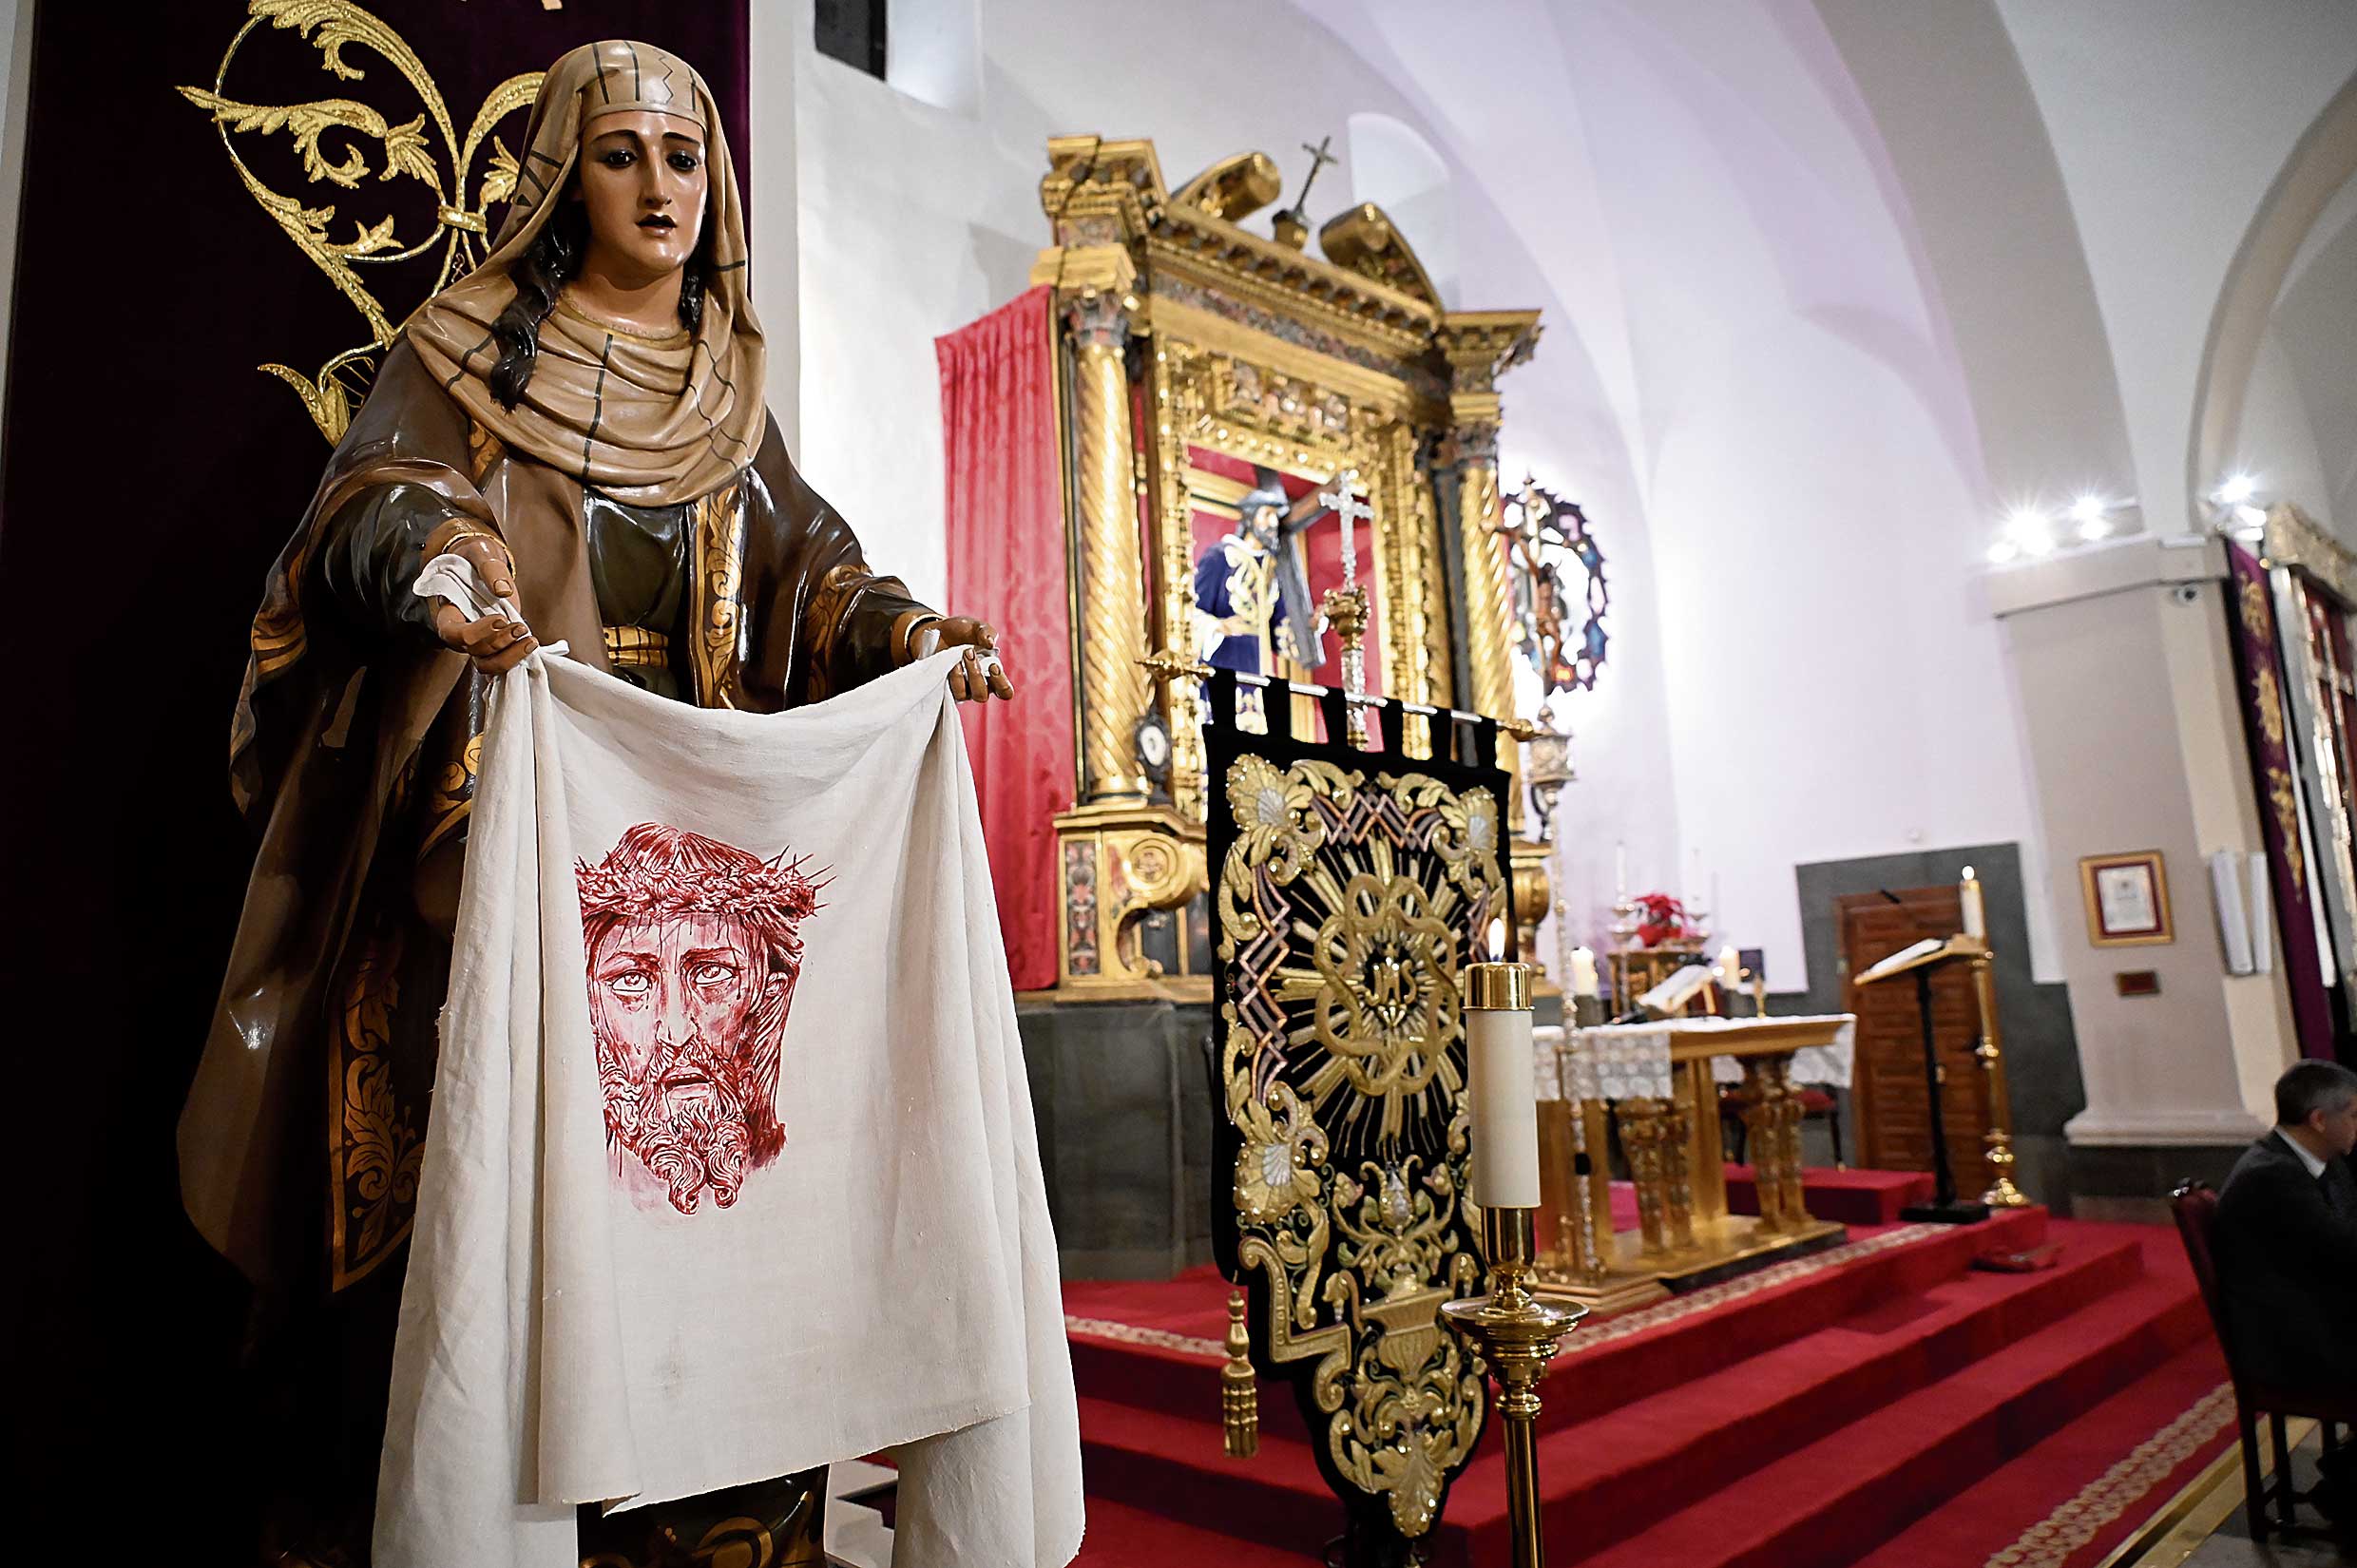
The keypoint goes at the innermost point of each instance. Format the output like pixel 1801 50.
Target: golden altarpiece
pixel 1194 353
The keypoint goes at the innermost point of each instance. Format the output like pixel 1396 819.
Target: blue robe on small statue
pixel 1252 598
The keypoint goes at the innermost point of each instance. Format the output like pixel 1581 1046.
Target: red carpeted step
pixel 1621 1359
pixel 1831 1501
pixel 1869 1343
pixel 1848 1196
pixel 2095 1480
pixel 1121 1537
pixel 1674 1343
pixel 1642 1461
pixel 1173 1466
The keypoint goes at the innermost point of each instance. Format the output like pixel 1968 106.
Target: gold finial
pixel 1240 1388
pixel 1166 665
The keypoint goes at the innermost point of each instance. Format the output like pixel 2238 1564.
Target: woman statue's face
pixel 643 181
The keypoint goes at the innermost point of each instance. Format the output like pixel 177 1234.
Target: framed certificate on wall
pixel 2127 897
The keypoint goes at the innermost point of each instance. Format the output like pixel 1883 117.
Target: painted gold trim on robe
pixel 453 796
pixel 714 644
pixel 374 1144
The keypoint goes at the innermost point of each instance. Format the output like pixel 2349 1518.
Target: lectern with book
pixel 1919 960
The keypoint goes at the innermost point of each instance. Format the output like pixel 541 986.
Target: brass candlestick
pixel 1516 1333
pixel 1997 1143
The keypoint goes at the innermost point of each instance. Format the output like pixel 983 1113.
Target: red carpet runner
pixel 1880 1404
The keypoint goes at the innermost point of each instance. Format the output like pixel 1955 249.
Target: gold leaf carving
pixel 327 135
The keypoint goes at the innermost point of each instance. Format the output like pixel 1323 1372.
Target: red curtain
pixel 1007 564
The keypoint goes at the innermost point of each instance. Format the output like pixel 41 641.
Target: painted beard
pixel 684 1121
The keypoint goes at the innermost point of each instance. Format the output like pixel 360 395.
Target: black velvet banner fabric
pixel 151 473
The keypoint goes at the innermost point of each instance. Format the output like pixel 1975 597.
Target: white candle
pixel 1730 967
pixel 1500 1096
pixel 1975 917
pixel 1583 972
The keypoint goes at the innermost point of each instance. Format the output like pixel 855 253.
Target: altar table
pixel 1659 1080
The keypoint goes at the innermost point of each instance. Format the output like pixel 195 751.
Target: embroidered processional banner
pixel 2271 726
pixel 1353 887
pixel 731 1169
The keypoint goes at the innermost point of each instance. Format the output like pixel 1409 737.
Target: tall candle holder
pixel 1997 1143
pixel 1515 1332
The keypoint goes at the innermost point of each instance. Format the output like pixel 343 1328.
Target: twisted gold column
pixel 1488 597
pixel 1486 585
pixel 1112 602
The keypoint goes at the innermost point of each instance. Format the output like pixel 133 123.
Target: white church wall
pixel 2169 119
pixel 1399 171
pixel 1815 489
pixel 2315 327
pixel 2278 438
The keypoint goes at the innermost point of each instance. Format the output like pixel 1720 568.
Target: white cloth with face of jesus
pixel 731 1170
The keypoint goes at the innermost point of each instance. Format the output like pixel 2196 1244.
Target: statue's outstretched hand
pixel 977 676
pixel 496 642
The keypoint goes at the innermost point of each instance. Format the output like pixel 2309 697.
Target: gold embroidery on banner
pixel 2256 620
pixel 2268 695
pixel 331 27
pixel 719 581
pixel 2286 803
pixel 374 1144
pixel 2056 1538
pixel 1346 909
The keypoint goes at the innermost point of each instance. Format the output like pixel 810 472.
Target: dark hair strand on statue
pixel 552 257
pixel 551 261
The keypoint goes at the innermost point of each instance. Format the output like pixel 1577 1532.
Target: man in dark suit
pixel 2286 1246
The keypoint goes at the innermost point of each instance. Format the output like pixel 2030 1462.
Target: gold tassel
pixel 1240 1391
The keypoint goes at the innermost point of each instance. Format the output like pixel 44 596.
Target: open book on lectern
pixel 1915 955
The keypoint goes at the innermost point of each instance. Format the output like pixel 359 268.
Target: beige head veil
pixel 651 421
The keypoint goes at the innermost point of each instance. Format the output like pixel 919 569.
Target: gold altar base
pixel 1117 863
pixel 1684 1239
pixel 1723 1248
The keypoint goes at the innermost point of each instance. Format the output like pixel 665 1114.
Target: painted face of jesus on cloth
pixel 693 947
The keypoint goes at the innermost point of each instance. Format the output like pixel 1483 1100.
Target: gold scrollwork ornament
pixel 406 152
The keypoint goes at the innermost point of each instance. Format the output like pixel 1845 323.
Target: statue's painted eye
pixel 636 983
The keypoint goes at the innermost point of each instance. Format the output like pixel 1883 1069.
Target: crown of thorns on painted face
pixel 658 877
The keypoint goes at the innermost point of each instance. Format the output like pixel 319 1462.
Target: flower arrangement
pixel 1660 919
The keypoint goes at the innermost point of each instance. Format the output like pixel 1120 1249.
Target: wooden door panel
pixel 1894 1117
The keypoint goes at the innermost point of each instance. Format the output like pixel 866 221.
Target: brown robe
pixel 328 762
pixel 354 746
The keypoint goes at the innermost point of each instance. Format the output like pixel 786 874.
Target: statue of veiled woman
pixel 581 417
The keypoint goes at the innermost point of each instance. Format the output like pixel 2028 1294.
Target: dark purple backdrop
pixel 151 474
